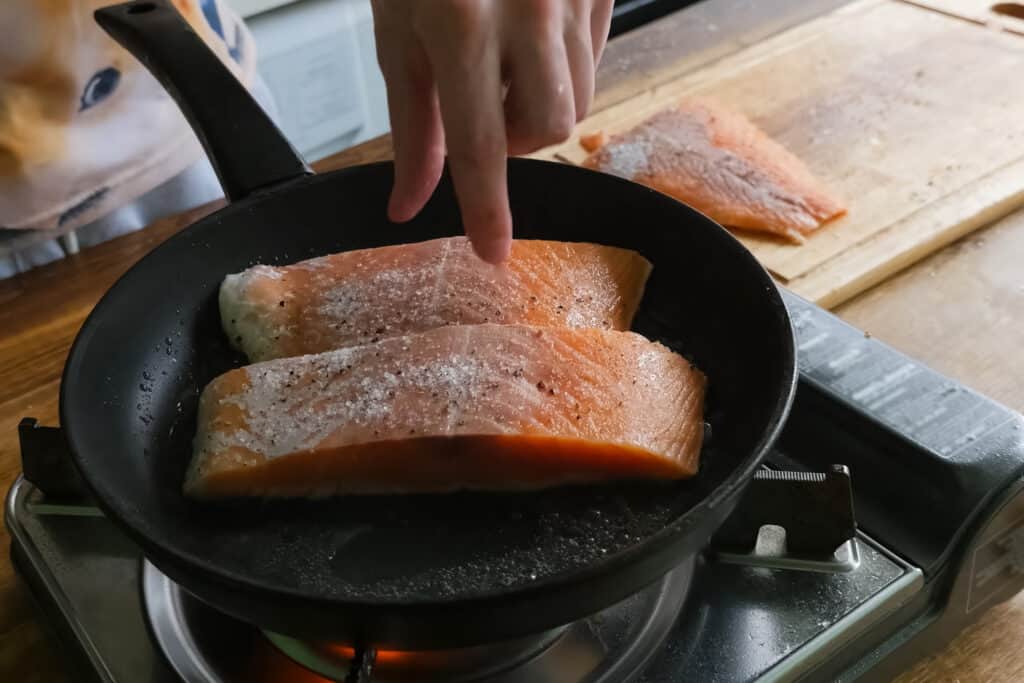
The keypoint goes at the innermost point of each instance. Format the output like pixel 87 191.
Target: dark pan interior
pixel 134 375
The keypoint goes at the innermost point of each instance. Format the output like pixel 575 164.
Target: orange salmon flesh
pixel 721 164
pixel 362 296
pixel 484 407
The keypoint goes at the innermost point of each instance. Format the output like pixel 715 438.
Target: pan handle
pixel 247 150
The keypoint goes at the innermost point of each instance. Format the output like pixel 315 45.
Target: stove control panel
pixel 926 455
pixel 993 567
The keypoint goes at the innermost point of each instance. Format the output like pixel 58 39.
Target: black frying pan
pixel 402 571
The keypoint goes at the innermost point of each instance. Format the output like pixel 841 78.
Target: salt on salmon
pixel 362 296
pixel 717 161
pixel 478 407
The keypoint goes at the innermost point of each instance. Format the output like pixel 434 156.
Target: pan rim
pixel 163 551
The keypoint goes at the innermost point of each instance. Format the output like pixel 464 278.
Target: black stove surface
pixel 739 622
pixel 748 623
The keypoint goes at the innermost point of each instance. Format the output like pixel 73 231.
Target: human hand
pixel 484 79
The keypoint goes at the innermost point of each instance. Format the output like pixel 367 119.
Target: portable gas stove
pixel 790 589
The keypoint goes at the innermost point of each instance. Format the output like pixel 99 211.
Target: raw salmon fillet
pixel 721 164
pixel 362 296
pixel 484 407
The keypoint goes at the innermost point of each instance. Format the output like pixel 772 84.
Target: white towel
pixel 89 140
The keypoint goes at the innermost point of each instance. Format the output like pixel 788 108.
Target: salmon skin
pixel 721 164
pixel 471 407
pixel 362 296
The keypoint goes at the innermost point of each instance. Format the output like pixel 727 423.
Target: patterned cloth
pixel 89 140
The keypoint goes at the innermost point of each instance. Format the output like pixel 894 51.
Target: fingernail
pixel 492 250
pixel 397 213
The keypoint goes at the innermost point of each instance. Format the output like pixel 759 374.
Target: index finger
pixel 469 89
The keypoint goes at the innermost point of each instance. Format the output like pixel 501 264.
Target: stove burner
pixel 340 662
pixel 207 646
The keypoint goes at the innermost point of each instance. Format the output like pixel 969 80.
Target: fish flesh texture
pixel 717 161
pixel 464 407
pixel 362 296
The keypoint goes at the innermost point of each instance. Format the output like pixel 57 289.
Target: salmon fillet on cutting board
pixel 362 296
pixel 717 161
pixel 479 407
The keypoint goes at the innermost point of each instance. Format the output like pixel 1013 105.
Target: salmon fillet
pixel 362 296
pixel 484 407
pixel 721 164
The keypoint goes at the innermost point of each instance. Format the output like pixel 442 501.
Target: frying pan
pixel 400 571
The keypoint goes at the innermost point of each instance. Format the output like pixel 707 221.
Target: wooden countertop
pixel 955 311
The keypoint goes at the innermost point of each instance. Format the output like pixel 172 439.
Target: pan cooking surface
pixel 131 417
pixel 405 549
pixel 413 549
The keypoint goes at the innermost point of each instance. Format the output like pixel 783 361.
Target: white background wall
pixel 318 57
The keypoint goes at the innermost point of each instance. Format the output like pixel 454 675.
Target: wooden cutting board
pixel 914 115
pixel 1004 16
